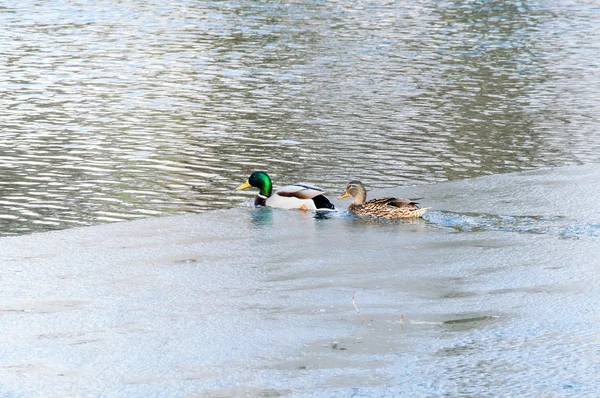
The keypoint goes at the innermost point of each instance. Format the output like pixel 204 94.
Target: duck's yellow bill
pixel 345 195
pixel 244 186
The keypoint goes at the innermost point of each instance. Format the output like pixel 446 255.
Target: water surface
pixel 126 109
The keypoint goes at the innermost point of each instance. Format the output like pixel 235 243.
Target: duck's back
pixel 389 208
pixel 294 196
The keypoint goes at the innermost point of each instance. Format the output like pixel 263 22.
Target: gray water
pixel 117 110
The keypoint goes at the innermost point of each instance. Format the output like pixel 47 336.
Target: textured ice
pixel 498 287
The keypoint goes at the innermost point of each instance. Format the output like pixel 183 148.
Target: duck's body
pixel 388 208
pixel 391 208
pixel 297 196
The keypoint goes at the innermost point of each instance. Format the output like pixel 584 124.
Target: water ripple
pixel 117 110
pixel 560 226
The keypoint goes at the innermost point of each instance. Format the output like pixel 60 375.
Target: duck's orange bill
pixel 345 195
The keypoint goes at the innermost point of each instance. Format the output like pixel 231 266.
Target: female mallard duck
pixel 298 196
pixel 383 207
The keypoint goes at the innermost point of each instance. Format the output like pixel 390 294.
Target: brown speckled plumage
pixel 390 208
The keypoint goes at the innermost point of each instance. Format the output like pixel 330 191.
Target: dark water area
pixel 119 110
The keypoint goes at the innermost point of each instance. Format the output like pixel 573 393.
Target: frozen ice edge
pixel 245 302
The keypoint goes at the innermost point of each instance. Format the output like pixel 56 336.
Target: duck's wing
pixel 300 191
pixel 396 202
pixel 300 196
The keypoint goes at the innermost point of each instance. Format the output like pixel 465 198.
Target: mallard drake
pixel 297 196
pixel 383 207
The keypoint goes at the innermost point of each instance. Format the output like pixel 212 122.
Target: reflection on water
pixel 131 109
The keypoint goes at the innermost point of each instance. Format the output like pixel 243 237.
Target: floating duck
pixel 391 208
pixel 297 196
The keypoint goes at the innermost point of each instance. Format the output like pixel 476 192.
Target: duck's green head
pixel 260 180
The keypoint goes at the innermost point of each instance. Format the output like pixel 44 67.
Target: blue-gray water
pixel 116 110
pixel 258 302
